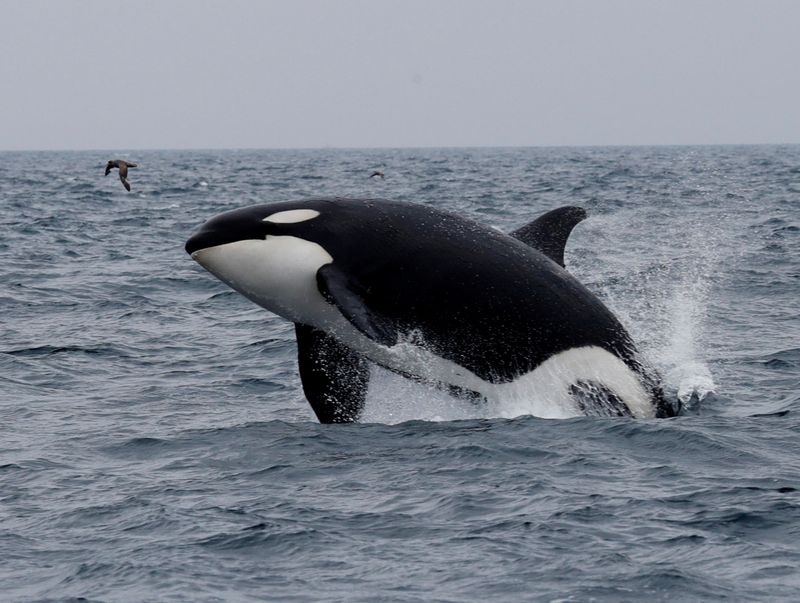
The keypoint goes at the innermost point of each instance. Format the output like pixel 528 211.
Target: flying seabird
pixel 377 173
pixel 123 170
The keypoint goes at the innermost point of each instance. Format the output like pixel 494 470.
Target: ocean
pixel 155 444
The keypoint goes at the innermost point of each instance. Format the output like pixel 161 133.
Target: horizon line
pixel 409 147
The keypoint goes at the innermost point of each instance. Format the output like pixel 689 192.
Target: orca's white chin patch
pixel 278 273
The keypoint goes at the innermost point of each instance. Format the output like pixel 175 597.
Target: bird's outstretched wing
pixel 125 183
pixel 123 170
pixel 108 168
pixel 132 165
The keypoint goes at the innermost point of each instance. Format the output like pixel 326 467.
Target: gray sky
pixel 381 73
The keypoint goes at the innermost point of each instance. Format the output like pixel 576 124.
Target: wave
pixel 50 350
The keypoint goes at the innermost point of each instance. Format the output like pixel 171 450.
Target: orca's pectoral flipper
pixel 335 378
pixel 348 297
pixel 549 232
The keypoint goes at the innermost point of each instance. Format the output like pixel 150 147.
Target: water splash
pixel 394 399
pixel 685 372
pixel 664 304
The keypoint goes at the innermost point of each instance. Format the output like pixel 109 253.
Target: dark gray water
pixel 155 444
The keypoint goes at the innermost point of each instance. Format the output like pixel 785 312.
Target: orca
pixel 431 295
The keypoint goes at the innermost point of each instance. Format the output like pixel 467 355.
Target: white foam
pixel 393 399
pixel 544 392
pixel 692 381
pixel 685 371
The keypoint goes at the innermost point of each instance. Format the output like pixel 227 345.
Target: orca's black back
pixel 475 295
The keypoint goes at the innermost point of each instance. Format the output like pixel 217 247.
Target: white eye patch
pixel 291 216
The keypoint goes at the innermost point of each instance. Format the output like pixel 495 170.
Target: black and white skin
pixel 435 297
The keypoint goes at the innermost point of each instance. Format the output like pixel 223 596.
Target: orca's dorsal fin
pixel 549 232
pixel 335 378
pixel 348 297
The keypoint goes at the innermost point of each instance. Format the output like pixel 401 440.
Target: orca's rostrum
pixel 433 296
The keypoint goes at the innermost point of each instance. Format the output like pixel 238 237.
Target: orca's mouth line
pixel 204 240
pixel 213 238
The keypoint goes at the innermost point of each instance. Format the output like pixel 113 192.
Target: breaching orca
pixel 436 297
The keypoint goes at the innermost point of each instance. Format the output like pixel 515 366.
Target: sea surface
pixel 155 444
